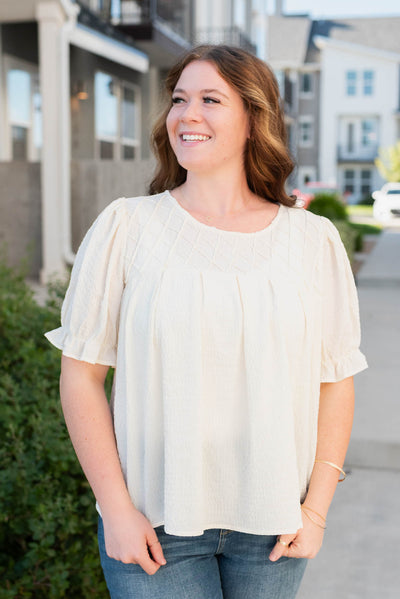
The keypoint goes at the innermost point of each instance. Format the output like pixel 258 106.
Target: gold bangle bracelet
pixel 305 507
pixel 333 466
pixel 312 519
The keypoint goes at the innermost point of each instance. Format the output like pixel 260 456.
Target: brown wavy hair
pixel 267 160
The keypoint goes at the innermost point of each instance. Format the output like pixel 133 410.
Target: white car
pixel 387 202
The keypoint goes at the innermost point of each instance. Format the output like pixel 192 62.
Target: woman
pixel 231 318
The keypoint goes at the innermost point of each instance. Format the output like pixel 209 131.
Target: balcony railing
pixel 173 13
pixel 233 36
pixel 358 153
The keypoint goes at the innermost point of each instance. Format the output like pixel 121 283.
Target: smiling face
pixel 207 123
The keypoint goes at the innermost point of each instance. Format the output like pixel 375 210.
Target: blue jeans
pixel 219 564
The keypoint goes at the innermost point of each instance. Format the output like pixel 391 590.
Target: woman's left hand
pixel 306 542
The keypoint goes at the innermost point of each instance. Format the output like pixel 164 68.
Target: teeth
pixel 195 137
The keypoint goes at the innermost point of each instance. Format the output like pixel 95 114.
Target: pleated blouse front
pixel 220 341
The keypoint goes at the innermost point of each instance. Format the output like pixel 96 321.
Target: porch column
pixel 51 18
pixel 2 104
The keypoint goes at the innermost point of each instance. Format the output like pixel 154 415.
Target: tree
pixel 388 162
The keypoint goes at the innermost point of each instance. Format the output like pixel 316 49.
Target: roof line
pixel 323 41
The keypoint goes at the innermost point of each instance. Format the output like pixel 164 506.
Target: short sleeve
pixel 90 311
pixel 341 356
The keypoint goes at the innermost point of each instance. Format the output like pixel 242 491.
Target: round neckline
pixel 272 224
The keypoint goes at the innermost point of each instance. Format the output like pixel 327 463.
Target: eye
pixel 208 100
pixel 177 100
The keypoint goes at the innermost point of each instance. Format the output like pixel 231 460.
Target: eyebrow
pixel 202 91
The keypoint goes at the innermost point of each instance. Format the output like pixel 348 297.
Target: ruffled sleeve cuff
pixel 337 370
pixel 87 350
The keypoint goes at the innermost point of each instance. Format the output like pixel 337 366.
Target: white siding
pixel 336 104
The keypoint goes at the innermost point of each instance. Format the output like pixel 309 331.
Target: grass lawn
pixel 366 229
pixel 365 213
pixel 359 210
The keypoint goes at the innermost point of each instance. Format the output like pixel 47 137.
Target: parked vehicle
pixel 311 189
pixel 387 202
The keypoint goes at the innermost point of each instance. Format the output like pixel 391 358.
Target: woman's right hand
pixel 129 537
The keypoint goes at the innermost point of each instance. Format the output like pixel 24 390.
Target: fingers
pixel 157 552
pixel 281 547
pixel 153 556
pixel 304 544
pixel 148 565
pixel 136 543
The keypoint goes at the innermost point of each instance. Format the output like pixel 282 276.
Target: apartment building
pixel 60 69
pixel 79 89
pixel 340 81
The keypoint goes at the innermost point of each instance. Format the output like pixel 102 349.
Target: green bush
pixel 48 545
pixel 366 200
pixel 327 204
pixel 349 236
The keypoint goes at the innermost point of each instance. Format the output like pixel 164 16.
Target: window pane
pixel 351 83
pixel 128 113
pixel 368 83
pixel 365 189
pixel 106 106
pixel 306 132
pixel 349 176
pixel 306 83
pixel 19 96
pixel 37 115
pixel 368 132
pixel 128 152
pixel 106 150
pixel 19 142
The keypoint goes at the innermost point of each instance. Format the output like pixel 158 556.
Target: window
pixel 24 112
pixel 366 182
pixel 106 115
pixel 117 105
pixel 351 83
pixel 368 132
pixel 350 137
pixel 349 181
pixel 129 122
pixel 306 84
pixel 368 83
pixel 306 132
pixel 306 174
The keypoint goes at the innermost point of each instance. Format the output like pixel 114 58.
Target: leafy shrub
pixel 48 545
pixel 327 204
pixel 367 200
pixel 349 236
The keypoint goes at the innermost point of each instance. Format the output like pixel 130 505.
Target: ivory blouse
pixel 220 341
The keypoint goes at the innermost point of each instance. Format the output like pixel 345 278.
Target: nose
pixel 191 111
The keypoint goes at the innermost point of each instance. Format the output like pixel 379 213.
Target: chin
pixel 196 165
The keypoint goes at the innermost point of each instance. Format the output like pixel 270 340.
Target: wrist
pixel 116 507
pixel 313 515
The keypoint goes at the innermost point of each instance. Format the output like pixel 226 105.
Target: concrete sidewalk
pixel 360 558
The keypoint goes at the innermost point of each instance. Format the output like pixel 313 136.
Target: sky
pixel 340 8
